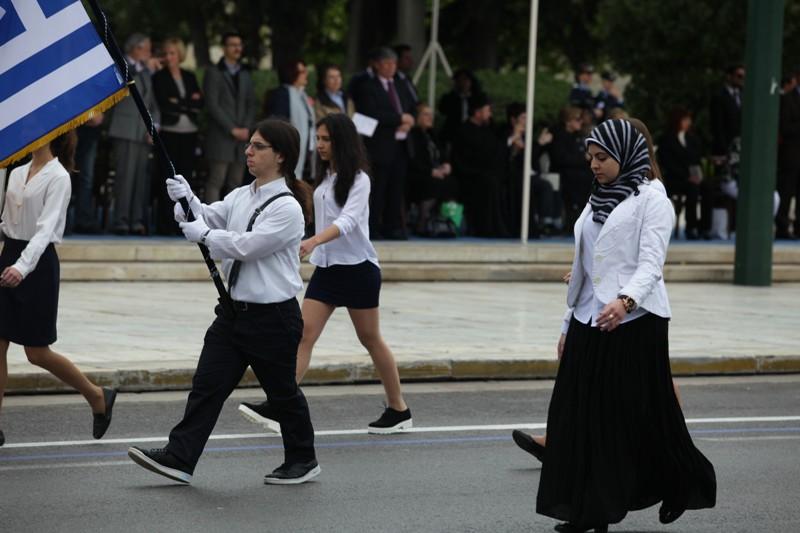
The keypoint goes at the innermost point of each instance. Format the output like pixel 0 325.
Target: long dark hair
pixel 347 154
pixel 285 140
pixel 63 147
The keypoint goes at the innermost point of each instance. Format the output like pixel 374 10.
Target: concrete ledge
pixel 134 380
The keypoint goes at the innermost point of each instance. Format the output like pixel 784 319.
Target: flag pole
pixel 107 36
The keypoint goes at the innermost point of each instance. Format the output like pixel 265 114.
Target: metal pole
pixel 753 263
pixel 113 48
pixel 432 67
pixel 526 165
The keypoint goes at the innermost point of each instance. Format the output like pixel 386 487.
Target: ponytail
pixel 303 195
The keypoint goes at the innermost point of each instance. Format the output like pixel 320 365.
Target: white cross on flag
pixel 55 73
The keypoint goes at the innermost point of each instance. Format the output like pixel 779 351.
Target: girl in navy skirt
pixel 347 273
pixel 33 220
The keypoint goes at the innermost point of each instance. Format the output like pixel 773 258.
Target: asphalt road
pixel 458 471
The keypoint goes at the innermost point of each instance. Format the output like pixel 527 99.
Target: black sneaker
pixel 527 443
pixel 293 474
pixel 103 420
pixel 261 413
pixel 2 438
pixel 161 461
pixel 391 421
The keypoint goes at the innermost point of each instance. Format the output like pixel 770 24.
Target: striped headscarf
pixel 628 147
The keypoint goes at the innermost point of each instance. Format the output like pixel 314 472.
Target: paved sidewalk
pixel 147 336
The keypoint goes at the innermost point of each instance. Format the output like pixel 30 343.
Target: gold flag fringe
pixel 106 104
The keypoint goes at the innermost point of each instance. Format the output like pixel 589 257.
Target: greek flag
pixel 55 73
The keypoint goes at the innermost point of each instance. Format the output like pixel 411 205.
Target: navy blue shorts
pixel 352 286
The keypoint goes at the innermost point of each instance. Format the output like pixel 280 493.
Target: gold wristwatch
pixel 628 302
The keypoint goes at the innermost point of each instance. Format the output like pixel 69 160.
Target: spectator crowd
pixel 464 177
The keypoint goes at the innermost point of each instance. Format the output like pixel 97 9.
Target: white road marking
pixel 740 439
pixel 345 432
pixel 40 466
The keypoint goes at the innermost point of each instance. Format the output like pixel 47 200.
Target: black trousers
pixel 788 186
pixel 266 339
pixel 387 202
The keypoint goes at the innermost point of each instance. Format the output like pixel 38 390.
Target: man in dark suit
pixel 132 143
pixel 726 113
pixel 231 105
pixel 789 162
pixel 405 67
pixel 387 100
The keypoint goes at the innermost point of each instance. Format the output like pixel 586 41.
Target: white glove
pixel 194 231
pixel 194 205
pixel 178 187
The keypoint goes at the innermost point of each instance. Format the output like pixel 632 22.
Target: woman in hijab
pixel 616 436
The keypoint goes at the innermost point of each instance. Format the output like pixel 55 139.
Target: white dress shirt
pixel 36 211
pixel 352 246
pixel 269 253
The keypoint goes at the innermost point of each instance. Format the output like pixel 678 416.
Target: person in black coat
pixel 789 163
pixel 386 100
pixel 454 105
pixel 726 113
pixel 179 99
pixel 568 158
pixel 679 154
pixel 477 154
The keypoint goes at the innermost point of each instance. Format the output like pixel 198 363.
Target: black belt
pixel 250 306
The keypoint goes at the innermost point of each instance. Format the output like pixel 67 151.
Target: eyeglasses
pixel 257 146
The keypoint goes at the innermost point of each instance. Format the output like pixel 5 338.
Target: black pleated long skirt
pixel 616 436
pixel 28 312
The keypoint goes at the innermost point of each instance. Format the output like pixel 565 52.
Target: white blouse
pixel 353 245
pixel 36 211
pixel 270 252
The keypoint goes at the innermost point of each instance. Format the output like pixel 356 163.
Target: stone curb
pixel 437 370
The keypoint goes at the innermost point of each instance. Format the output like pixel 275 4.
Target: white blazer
pixel 630 251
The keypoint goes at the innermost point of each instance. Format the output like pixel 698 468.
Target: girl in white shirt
pixel 347 273
pixel 34 214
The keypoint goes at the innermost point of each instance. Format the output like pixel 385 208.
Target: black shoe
pixel 527 443
pixel 391 421
pixel 667 516
pixel 293 474
pixel 103 420
pixel 692 234
pixel 2 438
pixel 161 461
pixel 261 413
pixel 87 230
pixel 568 527
pixel 121 230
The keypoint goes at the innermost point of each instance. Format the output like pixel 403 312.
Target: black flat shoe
pixel 667 516
pixel 526 442
pixel 2 438
pixel 103 420
pixel 568 527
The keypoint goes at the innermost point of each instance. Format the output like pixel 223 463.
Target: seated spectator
pixel 477 154
pixel 429 176
pixel 568 158
pixel 580 95
pixel 290 101
pixel 330 96
pixel 544 209
pixel 679 154
pixel 609 98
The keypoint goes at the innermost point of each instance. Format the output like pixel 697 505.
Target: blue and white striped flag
pixel 55 73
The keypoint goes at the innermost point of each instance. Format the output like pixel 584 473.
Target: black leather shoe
pixel 568 527
pixel 161 461
pixel 667 516
pixel 2 438
pixel 527 443
pixel 103 420
pixel 293 474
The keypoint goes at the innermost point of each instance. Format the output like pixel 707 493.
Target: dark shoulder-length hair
pixel 347 155
pixel 63 147
pixel 322 94
pixel 285 140
pixel 289 71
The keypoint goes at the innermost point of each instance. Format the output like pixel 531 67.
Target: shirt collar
pixel 269 189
